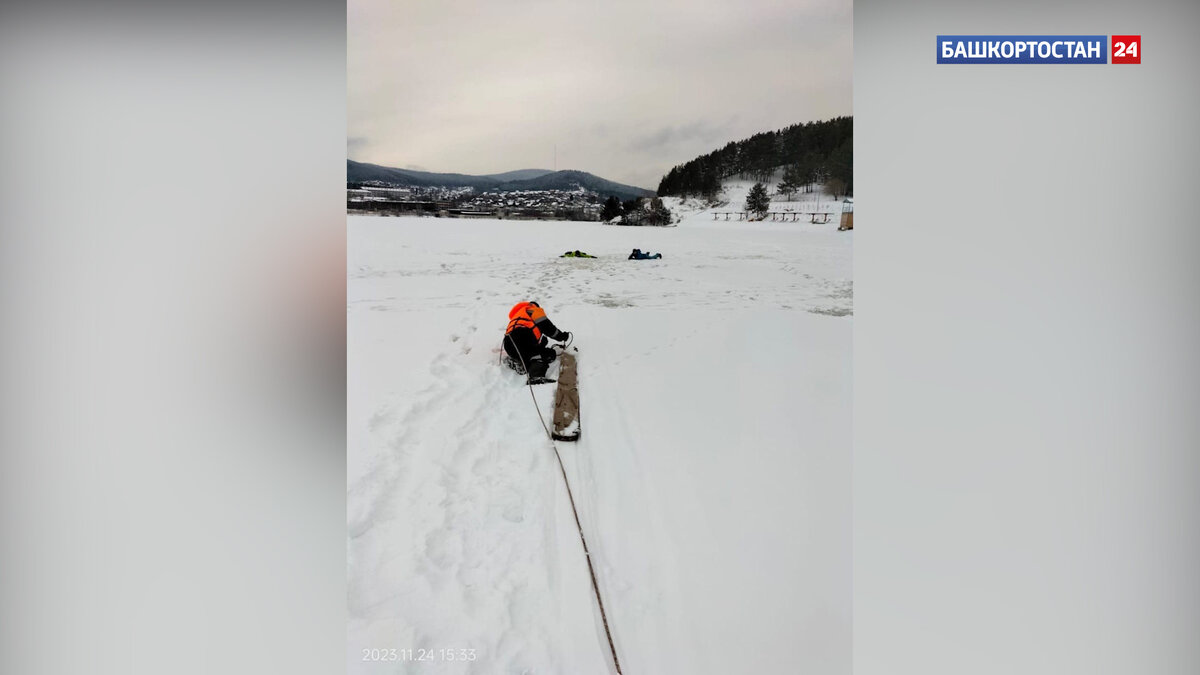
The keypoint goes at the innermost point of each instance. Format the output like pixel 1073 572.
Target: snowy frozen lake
pixel 712 476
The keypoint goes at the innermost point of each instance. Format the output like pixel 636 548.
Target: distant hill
pixel 359 172
pixel 570 180
pixel 519 174
pixel 522 179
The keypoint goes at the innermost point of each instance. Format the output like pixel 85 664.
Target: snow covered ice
pixel 712 476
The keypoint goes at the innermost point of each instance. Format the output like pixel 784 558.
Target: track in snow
pixel 712 476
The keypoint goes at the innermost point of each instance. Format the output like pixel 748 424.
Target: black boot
pixel 537 370
pixel 515 364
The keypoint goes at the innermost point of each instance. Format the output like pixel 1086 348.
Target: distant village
pixel 465 202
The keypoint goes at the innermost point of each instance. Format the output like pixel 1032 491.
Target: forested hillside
pixel 813 152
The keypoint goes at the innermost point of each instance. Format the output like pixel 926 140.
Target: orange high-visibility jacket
pixel 529 315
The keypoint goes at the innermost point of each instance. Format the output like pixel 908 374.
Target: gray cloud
pixel 669 137
pixel 355 145
pixel 624 89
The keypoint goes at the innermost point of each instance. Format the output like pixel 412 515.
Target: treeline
pixel 813 152
pixel 639 211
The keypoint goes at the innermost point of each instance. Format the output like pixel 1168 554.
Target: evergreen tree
pixel 792 181
pixel 710 184
pixel 612 209
pixel 659 213
pixel 841 165
pixel 758 201
pixel 807 169
pixel 835 187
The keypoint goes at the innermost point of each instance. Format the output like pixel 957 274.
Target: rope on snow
pixel 583 540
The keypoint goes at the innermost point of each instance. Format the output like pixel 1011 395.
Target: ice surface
pixel 713 477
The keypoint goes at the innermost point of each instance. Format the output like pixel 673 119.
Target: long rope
pixel 591 570
pixel 578 525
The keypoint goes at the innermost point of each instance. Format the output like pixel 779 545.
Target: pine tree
pixel 659 213
pixel 612 209
pixel 758 201
pixel 792 181
pixel 841 165
pixel 808 170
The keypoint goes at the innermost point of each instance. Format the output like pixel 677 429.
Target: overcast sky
pixel 626 90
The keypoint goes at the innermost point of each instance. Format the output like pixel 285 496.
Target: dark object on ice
pixel 566 401
pixel 525 339
pixel 639 255
pixel 540 380
pixel 576 254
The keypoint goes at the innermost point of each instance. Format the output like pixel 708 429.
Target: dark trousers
pixel 524 348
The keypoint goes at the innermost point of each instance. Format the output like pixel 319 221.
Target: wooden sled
pixel 566 401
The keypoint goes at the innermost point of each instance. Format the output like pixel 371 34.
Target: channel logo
pixel 1073 49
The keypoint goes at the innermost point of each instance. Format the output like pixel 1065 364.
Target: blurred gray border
pixel 172 296
pixel 1027 450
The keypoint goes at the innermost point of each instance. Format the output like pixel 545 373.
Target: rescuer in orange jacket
pixel 525 338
